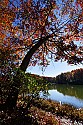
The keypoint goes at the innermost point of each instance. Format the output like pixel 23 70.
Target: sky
pixel 54 69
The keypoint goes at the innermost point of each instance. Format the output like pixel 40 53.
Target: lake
pixel 68 94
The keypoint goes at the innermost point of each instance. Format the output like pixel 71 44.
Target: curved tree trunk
pixel 30 53
pixel 13 94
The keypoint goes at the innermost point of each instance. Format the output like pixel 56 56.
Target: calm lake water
pixel 72 95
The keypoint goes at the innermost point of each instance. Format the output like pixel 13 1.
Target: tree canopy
pixel 36 31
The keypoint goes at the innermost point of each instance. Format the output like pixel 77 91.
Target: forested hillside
pixel 73 77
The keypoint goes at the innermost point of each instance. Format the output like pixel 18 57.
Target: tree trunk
pixel 13 94
pixel 30 53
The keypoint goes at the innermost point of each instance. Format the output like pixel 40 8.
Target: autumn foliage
pixel 34 32
pixel 23 24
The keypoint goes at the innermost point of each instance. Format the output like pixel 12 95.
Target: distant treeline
pixel 73 77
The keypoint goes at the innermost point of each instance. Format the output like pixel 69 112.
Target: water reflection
pixel 76 90
pixel 57 96
pixel 67 94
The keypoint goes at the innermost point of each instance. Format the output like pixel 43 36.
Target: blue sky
pixel 54 69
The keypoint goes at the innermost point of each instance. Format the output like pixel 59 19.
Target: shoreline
pixel 60 110
pixel 65 114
